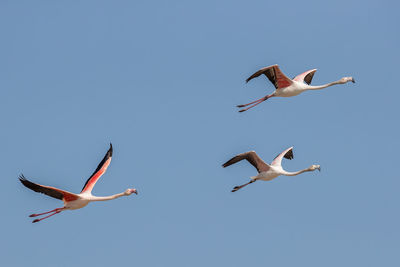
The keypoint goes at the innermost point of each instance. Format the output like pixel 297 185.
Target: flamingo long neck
pixel 295 173
pixel 318 87
pixel 94 198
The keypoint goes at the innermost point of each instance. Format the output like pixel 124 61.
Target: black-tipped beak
pixel 319 168
pixel 136 192
pixel 354 81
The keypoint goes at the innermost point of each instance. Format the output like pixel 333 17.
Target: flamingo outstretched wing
pixel 252 158
pixel 305 76
pixel 287 154
pixel 275 75
pixel 100 170
pixel 48 190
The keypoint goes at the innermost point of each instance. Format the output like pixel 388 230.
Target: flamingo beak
pixel 352 80
pixel 319 168
pixel 136 192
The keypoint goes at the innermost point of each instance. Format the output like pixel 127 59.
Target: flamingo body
pixel 79 203
pixel 294 89
pixel 272 173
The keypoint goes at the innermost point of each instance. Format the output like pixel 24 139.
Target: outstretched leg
pixel 38 214
pixel 255 103
pixel 258 100
pixel 236 188
pixel 55 212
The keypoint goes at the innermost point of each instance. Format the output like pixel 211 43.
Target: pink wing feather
pixel 100 170
pixel 305 76
pixel 288 154
pixel 281 79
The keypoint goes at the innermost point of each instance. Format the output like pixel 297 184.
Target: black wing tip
pixel 226 164
pixel 22 178
pixel 26 182
pixel 110 150
pixel 289 154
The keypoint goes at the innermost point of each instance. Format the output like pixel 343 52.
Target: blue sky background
pixel 160 80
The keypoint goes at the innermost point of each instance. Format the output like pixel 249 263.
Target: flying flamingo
pixel 267 172
pixel 286 87
pixel 75 201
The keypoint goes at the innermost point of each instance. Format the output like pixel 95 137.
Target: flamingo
pixel 267 172
pixel 286 87
pixel 75 201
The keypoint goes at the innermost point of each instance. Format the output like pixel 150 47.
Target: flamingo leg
pixel 55 212
pixel 38 214
pixel 236 188
pixel 258 101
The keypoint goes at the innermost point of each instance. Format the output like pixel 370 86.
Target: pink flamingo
pixel 75 201
pixel 286 87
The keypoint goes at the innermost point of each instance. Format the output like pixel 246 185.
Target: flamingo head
pixel 315 167
pixel 347 79
pixel 130 191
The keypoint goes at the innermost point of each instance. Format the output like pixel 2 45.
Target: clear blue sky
pixel 160 80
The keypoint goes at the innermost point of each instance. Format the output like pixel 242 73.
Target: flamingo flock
pixel 284 87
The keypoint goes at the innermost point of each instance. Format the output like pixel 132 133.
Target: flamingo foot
pixel 236 188
pixel 33 215
pixel 35 221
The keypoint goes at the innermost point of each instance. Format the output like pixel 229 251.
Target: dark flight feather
pixel 40 188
